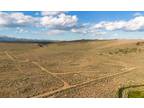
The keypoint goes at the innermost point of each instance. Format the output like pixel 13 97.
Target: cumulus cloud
pixel 110 25
pixel 51 13
pixel 55 32
pixel 61 21
pixel 137 14
pixel 21 30
pixel 15 19
pixel 79 30
pixel 87 29
pixel 4 19
pixel 56 22
pixel 135 24
pixel 21 19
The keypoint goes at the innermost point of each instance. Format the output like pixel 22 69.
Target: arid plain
pixel 98 68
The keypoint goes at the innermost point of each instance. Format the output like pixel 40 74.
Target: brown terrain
pixel 100 68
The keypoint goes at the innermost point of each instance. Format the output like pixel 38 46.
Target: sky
pixel 72 25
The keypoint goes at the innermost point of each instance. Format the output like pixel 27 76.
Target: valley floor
pixel 101 68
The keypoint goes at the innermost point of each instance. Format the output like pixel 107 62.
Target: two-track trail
pixel 12 59
pixel 49 94
pixel 65 84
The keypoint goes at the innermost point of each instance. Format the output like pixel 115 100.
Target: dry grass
pixel 67 67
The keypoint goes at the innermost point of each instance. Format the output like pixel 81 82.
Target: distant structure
pixel 42 44
pixel 140 43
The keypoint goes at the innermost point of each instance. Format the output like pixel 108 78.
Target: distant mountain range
pixel 8 39
pixel 22 40
pixel 13 39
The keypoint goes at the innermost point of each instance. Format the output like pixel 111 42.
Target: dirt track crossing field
pixel 84 83
pixel 65 84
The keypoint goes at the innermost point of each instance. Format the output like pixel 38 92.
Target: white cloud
pixel 87 29
pixel 137 14
pixel 4 19
pixel 15 19
pixel 55 32
pixel 21 30
pixel 110 25
pixel 55 22
pixel 134 24
pixel 51 13
pixel 61 21
pixel 79 30
pixel 22 19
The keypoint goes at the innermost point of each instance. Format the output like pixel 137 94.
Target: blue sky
pixel 72 25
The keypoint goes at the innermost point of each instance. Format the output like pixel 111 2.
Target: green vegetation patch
pixel 124 51
pixel 136 94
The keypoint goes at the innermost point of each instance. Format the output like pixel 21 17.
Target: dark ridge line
pixel 50 41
